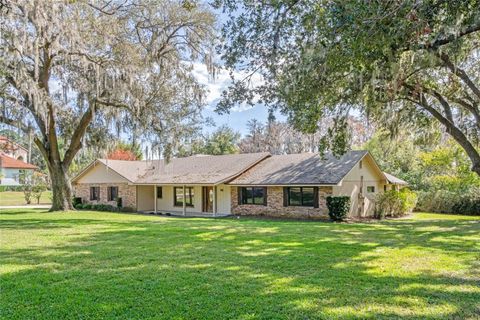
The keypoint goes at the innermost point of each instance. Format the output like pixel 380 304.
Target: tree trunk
pixel 61 188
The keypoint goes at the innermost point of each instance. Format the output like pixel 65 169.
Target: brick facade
pixel 275 208
pixel 128 193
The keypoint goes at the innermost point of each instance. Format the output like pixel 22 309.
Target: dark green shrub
pixel 76 201
pixel 338 207
pixel 87 206
pixel 78 206
pixel 119 202
pixel 127 209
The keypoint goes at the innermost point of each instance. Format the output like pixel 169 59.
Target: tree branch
pixel 419 99
pixel 15 123
pixel 446 40
pixel 459 73
pixel 76 141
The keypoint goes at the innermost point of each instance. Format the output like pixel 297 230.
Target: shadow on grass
pixel 245 269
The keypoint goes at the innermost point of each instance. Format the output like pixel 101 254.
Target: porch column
pixel 155 198
pixel 184 206
pixel 214 200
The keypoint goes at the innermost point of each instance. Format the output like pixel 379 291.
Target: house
pixel 293 185
pixel 13 149
pixel 13 162
pixel 260 184
pixel 11 170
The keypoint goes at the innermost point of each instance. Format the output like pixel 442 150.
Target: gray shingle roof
pixel 200 169
pixel 131 170
pixel 300 169
pixel 394 180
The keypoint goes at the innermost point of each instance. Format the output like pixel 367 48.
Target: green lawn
pixel 105 265
pixel 11 198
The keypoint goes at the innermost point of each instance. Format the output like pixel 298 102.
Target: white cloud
pixel 215 86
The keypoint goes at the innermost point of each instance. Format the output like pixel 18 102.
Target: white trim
pixel 155 198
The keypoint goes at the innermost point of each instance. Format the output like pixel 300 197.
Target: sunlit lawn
pixel 13 198
pixel 104 265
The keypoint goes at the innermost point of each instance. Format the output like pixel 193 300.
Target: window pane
pixel 307 197
pixel 249 195
pixel 178 196
pixel 159 192
pixel 294 197
pixel 190 198
pixel 258 195
pixel 371 189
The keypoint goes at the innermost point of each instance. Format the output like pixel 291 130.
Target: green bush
pixel 338 207
pixel 119 202
pixel 104 207
pixel 394 203
pixel 11 188
pixel 443 201
pixel 76 201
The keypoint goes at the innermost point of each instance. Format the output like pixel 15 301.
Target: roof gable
pixel 129 170
pixel 98 172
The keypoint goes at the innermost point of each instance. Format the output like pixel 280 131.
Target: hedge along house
pixel 294 185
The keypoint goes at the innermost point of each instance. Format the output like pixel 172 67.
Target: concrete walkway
pixel 32 206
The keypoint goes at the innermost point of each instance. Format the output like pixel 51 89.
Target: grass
pixel 13 198
pixel 105 265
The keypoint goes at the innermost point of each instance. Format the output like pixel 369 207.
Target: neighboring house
pixel 13 149
pixel 11 170
pixel 294 185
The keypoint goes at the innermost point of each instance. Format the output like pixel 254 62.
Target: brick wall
pixel 127 192
pixel 275 208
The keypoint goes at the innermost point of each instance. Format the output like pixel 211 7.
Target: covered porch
pixel 184 200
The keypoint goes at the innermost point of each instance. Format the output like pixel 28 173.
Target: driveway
pixel 32 206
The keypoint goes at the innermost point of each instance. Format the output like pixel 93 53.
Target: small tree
pixel 34 184
pixel 39 185
pixel 27 185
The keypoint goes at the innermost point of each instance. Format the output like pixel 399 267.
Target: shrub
pixel 119 202
pixel 76 201
pixel 127 209
pixel 443 201
pixel 394 203
pixel 78 206
pixel 338 207
pixel 87 206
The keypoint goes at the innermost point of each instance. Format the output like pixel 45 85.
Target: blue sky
pixel 239 115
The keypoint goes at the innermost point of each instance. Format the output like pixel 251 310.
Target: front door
pixel 207 199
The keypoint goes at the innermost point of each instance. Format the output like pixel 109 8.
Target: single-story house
pixel 293 185
pixel 11 170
